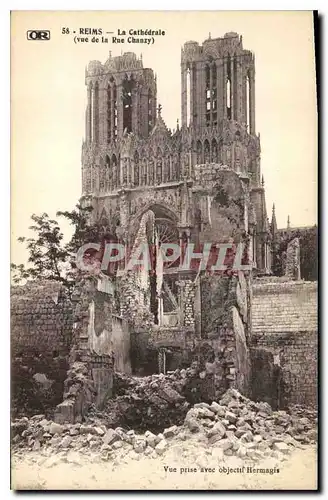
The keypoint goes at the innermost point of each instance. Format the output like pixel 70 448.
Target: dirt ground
pixel 77 471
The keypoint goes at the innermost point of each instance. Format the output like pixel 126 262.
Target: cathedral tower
pixel 218 83
pixel 121 96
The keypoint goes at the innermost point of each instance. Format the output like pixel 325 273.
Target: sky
pixel 48 99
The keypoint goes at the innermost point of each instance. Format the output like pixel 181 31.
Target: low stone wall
pixel 285 342
pixel 295 357
pixel 41 336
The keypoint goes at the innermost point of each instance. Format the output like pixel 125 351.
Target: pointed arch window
pixel 127 89
pixel 214 95
pixel 248 90
pixel 211 93
pixel 188 87
pixel 208 94
pixel 115 117
pixel 111 110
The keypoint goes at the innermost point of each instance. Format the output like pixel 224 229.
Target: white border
pixel 6 6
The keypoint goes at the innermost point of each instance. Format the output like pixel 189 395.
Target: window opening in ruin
pixel 247 101
pixel 153 284
pixel 127 104
pixel 228 98
pixel 208 94
pixel 188 97
pixel 214 95
pixel 165 232
pixel 170 294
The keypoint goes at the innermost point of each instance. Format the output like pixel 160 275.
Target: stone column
pixel 238 89
pixel 112 119
pixel 201 96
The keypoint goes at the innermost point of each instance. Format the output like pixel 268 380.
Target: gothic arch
pixel 104 217
pixel 160 210
pixel 114 160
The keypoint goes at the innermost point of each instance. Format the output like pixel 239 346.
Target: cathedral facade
pixel 200 182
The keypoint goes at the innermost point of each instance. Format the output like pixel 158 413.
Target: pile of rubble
pixel 150 403
pixel 234 425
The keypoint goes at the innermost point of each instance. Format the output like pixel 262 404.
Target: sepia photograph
pixel 164 250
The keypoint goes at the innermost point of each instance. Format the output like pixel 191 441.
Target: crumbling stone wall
pixel 134 285
pixel 284 316
pixel 41 338
pixel 89 382
pixel 224 349
pixel 101 333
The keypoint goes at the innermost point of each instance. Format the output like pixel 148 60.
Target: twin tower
pixel 128 147
pixel 217 114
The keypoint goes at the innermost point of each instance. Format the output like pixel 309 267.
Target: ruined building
pixel 197 184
